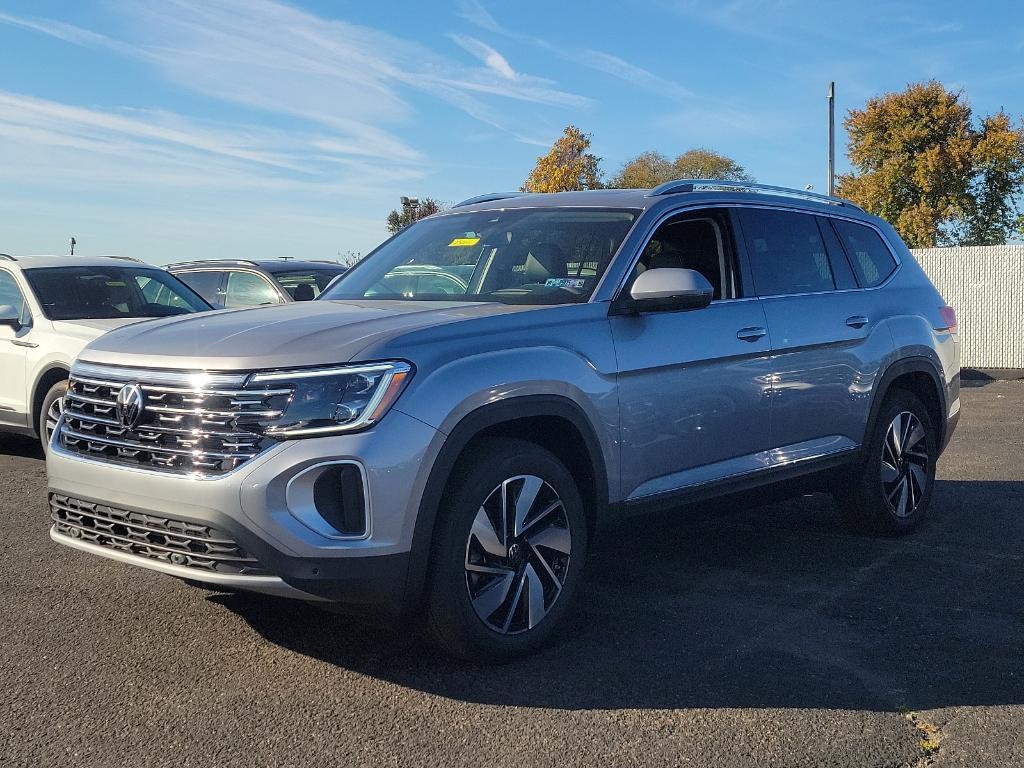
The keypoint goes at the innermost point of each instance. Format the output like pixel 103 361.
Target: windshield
pixel 294 280
pixel 106 292
pixel 517 256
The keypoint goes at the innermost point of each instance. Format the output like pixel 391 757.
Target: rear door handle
pixel 751 334
pixel 857 321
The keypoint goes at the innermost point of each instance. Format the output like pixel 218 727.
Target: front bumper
pixel 254 504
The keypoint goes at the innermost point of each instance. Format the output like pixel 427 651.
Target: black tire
pixel 872 501
pixel 504 466
pixel 54 399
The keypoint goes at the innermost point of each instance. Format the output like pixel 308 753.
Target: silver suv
pixel 446 448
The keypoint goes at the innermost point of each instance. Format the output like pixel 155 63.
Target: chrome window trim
pixel 706 205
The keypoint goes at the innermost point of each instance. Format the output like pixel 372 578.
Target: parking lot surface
pixel 753 636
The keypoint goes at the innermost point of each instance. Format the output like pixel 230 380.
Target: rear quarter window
pixel 870 257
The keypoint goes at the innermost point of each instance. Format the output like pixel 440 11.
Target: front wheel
pixel 50 413
pixel 894 486
pixel 510 544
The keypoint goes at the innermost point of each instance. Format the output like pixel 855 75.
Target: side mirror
pixel 668 290
pixel 10 316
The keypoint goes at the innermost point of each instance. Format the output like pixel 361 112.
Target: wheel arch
pixel 921 376
pixel 551 421
pixel 50 375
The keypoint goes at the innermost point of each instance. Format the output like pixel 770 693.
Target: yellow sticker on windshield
pixel 462 242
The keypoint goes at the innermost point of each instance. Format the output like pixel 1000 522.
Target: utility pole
pixel 832 138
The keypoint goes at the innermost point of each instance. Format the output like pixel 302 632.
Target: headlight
pixel 327 401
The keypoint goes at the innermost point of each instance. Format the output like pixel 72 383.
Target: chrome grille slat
pixel 190 545
pixel 153 448
pixel 185 428
pixel 213 414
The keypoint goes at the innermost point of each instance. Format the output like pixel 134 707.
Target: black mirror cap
pixel 627 305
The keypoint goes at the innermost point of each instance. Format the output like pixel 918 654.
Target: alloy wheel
pixel 904 464
pixel 53 414
pixel 517 554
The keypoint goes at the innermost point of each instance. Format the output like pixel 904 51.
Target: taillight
pixel 949 318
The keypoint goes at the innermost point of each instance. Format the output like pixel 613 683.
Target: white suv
pixel 51 307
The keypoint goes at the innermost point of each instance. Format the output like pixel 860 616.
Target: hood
pixel 92 329
pixel 280 336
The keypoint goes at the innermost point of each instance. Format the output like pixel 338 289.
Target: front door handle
pixel 20 343
pixel 751 334
pixel 857 321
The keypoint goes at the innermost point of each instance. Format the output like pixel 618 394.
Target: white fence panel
pixel 985 285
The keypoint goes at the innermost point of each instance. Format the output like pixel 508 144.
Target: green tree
pixel 567 167
pixel 399 219
pixel 706 164
pixel 921 163
pixel 648 169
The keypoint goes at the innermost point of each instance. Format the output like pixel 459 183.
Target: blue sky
pixel 172 129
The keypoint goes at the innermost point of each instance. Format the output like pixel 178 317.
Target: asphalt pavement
pixel 753 636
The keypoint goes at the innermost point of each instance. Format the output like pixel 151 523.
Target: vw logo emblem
pixel 129 405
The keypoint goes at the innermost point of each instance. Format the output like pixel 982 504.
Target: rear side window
pixel 206 284
pixel 787 254
pixel 871 260
pixel 247 289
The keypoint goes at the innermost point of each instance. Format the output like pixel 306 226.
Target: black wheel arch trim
pixel 471 426
pixel 901 367
pixel 39 393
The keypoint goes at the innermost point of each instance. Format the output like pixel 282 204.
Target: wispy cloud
pixel 599 61
pixel 486 54
pixel 46 140
pixel 353 79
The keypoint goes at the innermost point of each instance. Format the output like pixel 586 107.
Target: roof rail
pixel 488 198
pixel 693 185
pixel 122 258
pixel 7 256
pixel 194 262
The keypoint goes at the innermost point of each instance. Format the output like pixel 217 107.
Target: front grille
pixel 158 538
pixel 199 424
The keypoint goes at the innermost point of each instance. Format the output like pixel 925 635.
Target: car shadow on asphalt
pixel 17 445
pixel 771 606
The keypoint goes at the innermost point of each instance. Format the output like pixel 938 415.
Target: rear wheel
pixel 50 412
pixel 510 545
pixel 891 493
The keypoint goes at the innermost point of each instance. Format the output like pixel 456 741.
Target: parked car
pixel 51 307
pixel 449 455
pixel 245 283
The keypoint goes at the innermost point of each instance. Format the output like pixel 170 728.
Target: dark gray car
pixel 441 435
pixel 237 284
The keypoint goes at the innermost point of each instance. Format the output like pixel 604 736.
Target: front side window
pixel 871 260
pixel 787 254
pixel 99 293
pixel 11 296
pixel 248 289
pixel 206 283
pixel 701 241
pixel 514 256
